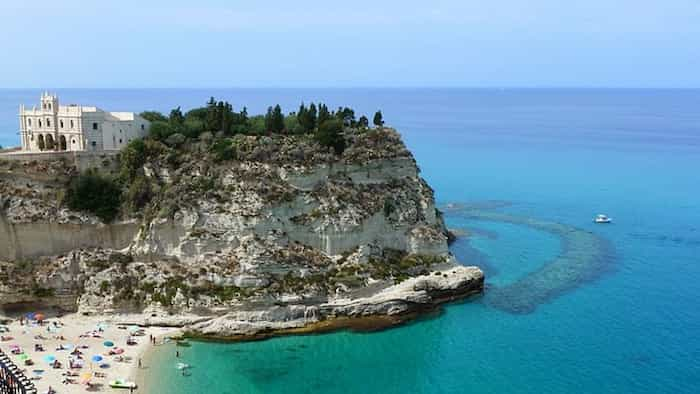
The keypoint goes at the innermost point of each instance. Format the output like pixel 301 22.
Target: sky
pixel 359 43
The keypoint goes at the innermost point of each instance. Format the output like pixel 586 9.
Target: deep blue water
pixel 630 323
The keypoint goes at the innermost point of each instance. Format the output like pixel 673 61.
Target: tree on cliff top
pixel 330 134
pixel 274 119
pixel 378 119
pixel 153 116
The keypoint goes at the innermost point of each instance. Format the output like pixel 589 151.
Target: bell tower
pixel 49 103
pixel 49 106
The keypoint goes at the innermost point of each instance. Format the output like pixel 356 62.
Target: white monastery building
pixel 52 127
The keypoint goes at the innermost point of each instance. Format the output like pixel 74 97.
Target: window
pixel 143 127
pixel 39 122
pixel 71 123
pixel 48 122
pixel 60 123
pixel 94 144
pixel 120 140
pixel 94 127
pixel 73 141
pixel 49 105
pixel 31 137
pixel 29 122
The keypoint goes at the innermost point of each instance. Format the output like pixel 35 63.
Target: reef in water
pixel 584 257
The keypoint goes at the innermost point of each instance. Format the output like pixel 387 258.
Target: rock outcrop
pixel 282 235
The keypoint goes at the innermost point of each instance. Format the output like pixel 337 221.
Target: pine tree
pixel 378 120
pixel 323 114
pixel 311 118
pixel 363 122
pixel 268 119
pixel 277 119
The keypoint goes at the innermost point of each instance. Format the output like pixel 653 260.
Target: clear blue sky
pixel 218 43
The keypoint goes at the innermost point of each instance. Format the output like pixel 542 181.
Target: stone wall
pixel 106 161
pixel 20 241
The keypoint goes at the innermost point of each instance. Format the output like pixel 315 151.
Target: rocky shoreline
pixel 390 307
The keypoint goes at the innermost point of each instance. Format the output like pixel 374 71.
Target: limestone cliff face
pixel 283 235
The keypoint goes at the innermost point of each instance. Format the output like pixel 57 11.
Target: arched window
pixel 39 122
pixel 73 141
pixel 60 123
pixel 48 122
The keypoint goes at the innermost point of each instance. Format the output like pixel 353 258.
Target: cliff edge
pixel 240 236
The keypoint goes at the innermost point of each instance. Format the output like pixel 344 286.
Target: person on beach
pixel 139 363
pixel 177 354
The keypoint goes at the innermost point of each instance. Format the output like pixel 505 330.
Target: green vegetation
pixel 223 150
pixel 219 116
pixel 378 119
pixel 330 134
pixel 131 159
pixel 219 131
pixel 94 193
pixel 274 119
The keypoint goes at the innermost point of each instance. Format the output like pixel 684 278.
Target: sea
pixel 570 306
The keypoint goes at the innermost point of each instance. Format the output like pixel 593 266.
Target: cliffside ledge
pixel 277 234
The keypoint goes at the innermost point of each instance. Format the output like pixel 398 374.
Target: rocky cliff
pixel 277 234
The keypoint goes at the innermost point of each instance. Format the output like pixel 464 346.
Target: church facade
pixel 53 128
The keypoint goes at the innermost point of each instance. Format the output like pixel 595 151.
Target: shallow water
pixel 624 321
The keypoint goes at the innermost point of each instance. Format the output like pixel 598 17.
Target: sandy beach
pixel 62 338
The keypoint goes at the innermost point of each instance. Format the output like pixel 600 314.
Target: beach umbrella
pixel 39 317
pixel 108 343
pixel 30 315
pixel 49 358
pixel 133 329
pixel 118 350
pixel 24 356
pixel 85 377
pixel 97 358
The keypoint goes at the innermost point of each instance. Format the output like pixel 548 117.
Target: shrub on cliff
pixel 223 150
pixel 139 193
pixel 330 134
pixel 131 159
pixel 94 193
pixel 160 130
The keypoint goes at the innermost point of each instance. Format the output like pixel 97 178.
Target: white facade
pixel 54 127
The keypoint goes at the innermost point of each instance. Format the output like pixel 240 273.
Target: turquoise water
pixel 618 312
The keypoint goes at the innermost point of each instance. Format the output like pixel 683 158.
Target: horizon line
pixel 365 87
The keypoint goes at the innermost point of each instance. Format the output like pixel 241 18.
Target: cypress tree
pixel 378 120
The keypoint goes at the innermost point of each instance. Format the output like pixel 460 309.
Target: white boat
pixel 602 219
pixel 182 366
